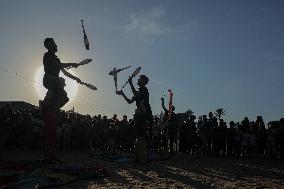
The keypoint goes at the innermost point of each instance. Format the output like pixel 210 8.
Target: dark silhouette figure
pixel 281 139
pixel 114 73
pixel 172 126
pixel 211 125
pixel 56 97
pixel 187 140
pixel 261 135
pixel 143 117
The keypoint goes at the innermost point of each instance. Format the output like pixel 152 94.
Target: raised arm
pixel 163 105
pixel 132 86
pixel 70 75
pixel 121 69
pixel 75 65
pixel 69 65
pixel 129 101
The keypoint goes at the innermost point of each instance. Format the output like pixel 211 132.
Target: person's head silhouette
pixel 142 81
pixel 50 45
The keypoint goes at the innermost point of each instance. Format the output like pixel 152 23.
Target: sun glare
pixel 71 86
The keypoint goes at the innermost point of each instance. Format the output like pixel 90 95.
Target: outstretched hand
pixel 86 61
pixel 130 79
pixel 78 80
pixel 75 65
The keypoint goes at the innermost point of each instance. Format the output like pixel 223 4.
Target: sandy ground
pixel 181 171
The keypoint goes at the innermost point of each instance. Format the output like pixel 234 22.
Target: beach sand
pixel 181 171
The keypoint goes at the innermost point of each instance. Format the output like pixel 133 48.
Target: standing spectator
pixel 281 138
pixel 271 143
pixel 172 126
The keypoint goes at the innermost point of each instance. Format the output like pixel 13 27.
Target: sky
pixel 213 54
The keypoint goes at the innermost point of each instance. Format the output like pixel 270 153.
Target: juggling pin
pixel 133 75
pixel 86 41
pixel 114 73
pixel 86 61
pixel 78 80
pixel 89 86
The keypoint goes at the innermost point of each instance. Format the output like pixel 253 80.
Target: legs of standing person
pixel 53 101
pixel 140 149
pixel 51 122
pixel 140 143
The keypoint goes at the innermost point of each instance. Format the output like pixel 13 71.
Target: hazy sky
pixel 227 54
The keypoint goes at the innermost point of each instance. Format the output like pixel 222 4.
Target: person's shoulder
pixel 47 55
pixel 144 90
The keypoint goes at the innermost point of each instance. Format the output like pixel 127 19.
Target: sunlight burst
pixel 71 86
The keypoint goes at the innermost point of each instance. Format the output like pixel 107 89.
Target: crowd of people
pixel 208 135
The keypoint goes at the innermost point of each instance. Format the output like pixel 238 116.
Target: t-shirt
pixel 51 64
pixel 51 79
pixel 143 96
